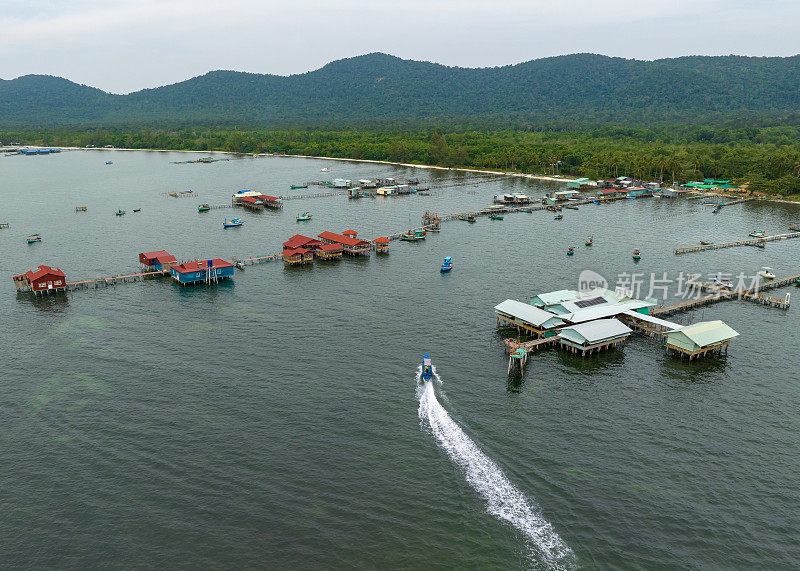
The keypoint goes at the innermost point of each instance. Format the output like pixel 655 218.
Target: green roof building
pixel 700 339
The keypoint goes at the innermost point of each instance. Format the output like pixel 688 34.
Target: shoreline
pixel 342 159
pixel 391 163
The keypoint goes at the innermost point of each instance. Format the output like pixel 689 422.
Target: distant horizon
pixel 398 57
pixel 125 46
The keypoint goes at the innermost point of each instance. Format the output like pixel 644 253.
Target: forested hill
pixel 379 88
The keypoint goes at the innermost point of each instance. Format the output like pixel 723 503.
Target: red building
pixel 292 256
pixel 351 246
pixel 43 280
pixel 329 252
pixel 300 241
pixel 159 261
pixel 381 245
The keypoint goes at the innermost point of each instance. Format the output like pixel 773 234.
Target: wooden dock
pixel 748 242
pixel 113 280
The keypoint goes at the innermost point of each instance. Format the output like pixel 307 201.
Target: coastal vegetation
pixel 767 158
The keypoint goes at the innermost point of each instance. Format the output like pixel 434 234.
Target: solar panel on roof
pixel 584 303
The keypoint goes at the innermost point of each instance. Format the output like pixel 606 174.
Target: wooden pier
pixel 113 280
pixel 748 242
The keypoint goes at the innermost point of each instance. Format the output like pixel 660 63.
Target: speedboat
pixel 718 281
pixel 766 273
pixel 758 234
pixel 233 223
pixel 427 368
pixel 637 255
pixel 304 216
pixel 447 265
pixel 203 208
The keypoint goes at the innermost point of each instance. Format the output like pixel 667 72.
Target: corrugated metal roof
pixel 599 330
pixel 555 297
pixel 527 313
pixel 707 333
pixel 654 320
pixel 596 312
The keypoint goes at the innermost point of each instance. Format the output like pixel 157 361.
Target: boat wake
pixel 503 499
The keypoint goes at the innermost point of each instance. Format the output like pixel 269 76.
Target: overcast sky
pixel 126 45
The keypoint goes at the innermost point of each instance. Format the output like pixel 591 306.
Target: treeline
pixel 768 158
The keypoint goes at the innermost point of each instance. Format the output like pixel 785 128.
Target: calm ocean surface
pixel 274 421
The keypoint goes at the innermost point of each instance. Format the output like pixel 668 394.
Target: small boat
pixel 420 234
pixel 637 255
pixel 203 208
pixel 137 209
pixel 427 368
pixel 109 163
pixel 119 212
pixel 186 192
pixel 467 217
pixel 758 234
pixel 433 229
pixel 590 240
pixel 304 216
pixel 570 251
pixel 296 186
pixel 410 237
pixel 718 281
pixel 761 244
pixel 326 169
pixel 705 243
pixel 233 223
pixel 794 227
pixel 558 216
pixel 766 273
pixel 173 194
pixel 717 208
pixel 447 265
pixel 495 217
pixel 33 238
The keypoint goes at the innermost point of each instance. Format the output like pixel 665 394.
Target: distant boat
pixel 420 234
pixel 109 163
pixel 758 233
pixel 410 237
pixel 119 212
pixel 233 223
pixel 570 251
pixel 33 238
pixel 637 255
pixel 174 194
pixel 558 216
pixel 295 186
pixel 761 244
pixel 447 265
pixel 794 228
pixel 589 240
pixel 705 242
pixel 467 217
pixel 495 217
pixel 718 281
pixel 137 209
pixel 203 208
pixel 304 216
pixel 326 169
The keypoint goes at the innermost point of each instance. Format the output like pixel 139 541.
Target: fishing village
pixel 578 322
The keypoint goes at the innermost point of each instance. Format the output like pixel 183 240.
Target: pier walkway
pixel 748 242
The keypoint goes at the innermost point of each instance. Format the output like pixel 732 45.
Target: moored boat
pixel 720 282
pixel 794 227
pixel 761 244
pixel 409 237
pixel 427 368
pixel 233 223
pixel 296 186
pixel 637 255
pixel 558 216
pixel 495 216
pixel 447 264
pixel 467 217
pixel 570 251
pixel 705 242
pixel 204 208
pixel 758 233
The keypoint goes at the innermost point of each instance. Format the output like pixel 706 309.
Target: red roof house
pixel 160 260
pixel 300 241
pixel 352 246
pixel 350 233
pixel 44 279
pixel 293 256
pixel 330 251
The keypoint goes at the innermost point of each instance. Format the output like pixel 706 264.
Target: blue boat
pixel 233 223
pixel 447 265
pixel 427 368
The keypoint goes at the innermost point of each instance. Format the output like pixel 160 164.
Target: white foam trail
pixel 503 499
